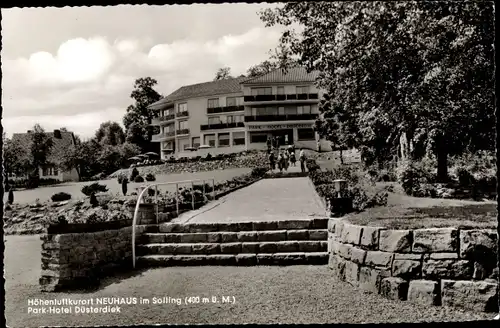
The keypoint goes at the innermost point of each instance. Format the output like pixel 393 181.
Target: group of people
pixel 285 158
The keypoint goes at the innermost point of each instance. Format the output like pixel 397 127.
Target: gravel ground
pixel 265 295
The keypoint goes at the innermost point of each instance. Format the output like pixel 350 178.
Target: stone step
pixel 314 223
pixel 233 248
pixel 242 259
pixel 231 237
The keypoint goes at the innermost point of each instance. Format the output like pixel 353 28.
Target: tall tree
pixel 223 73
pixel 40 149
pixel 144 95
pixel 110 133
pixel 15 157
pixel 420 69
pixel 263 68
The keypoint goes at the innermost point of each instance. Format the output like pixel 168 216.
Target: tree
pixel 420 69
pixel 223 73
pixel 84 158
pixel 139 113
pixel 40 149
pixel 263 68
pixel 110 133
pixel 15 157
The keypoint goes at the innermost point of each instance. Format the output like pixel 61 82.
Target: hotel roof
pixel 292 75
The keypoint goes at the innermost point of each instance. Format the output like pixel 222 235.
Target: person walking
pixel 302 159
pixel 280 161
pixel 293 160
pixel 268 145
pixel 286 162
pixel 272 161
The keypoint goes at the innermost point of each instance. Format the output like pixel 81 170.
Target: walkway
pixel 265 200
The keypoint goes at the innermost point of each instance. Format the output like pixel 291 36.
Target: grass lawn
pixel 29 196
pixel 292 294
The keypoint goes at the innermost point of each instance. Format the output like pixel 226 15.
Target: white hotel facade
pixel 239 114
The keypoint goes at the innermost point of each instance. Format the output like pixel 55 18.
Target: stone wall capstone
pixel 437 266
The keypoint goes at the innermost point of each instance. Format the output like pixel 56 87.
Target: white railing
pixel 155 185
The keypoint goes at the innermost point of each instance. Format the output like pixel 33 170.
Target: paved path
pixel 265 200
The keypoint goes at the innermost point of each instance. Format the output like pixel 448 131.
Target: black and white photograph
pixel 303 162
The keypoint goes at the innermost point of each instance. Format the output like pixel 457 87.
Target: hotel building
pixel 234 115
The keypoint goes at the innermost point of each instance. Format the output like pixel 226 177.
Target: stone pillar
pixel 295 135
pixel 247 139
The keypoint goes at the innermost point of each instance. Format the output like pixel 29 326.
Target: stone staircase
pixel 290 242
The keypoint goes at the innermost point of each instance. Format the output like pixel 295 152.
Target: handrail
pixel 177 183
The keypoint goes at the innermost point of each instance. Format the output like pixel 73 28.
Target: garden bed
pixel 465 216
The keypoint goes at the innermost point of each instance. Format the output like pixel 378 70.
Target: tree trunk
pixel 442 164
pixel 341 157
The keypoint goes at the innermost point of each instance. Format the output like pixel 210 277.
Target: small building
pixel 62 141
pixel 240 114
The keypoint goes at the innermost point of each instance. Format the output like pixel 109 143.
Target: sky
pixel 75 67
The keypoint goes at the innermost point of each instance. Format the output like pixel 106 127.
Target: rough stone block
pixel 202 227
pixel 478 245
pixel 331 225
pixel 193 238
pixel 337 264
pixel 318 235
pixel 228 237
pixel 441 256
pixel 351 234
pixel 246 259
pixel 394 288
pixel 334 246
pixel 297 234
pixel 369 279
pixel 344 250
pixel 288 258
pixel 252 248
pixel 319 223
pixel 480 272
pixel 213 237
pixel 370 237
pixel 435 240
pixel 170 227
pixel 358 255
pixel 414 257
pixel 339 227
pixel 378 259
pixel 351 273
pixel 268 247
pixel 205 249
pixel 266 225
pixel 425 292
pixel 294 224
pixel 408 269
pixel 229 227
pixel 477 296
pixel 316 258
pixel 247 236
pixel 398 241
pixel 279 235
pixel 287 247
pixel 245 226
pixel 265 259
pixel 156 238
pixel 230 248
pixel 309 246
pixel 173 249
pixel 447 269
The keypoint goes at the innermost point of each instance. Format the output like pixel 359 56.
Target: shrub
pixel 94 189
pixel 138 178
pixel 93 200
pixel 33 182
pixel 60 197
pixel 258 172
pixel 10 199
pixel 121 177
pixel 135 173
pixel 208 157
pixel 150 177
pixel 311 165
pixel 413 176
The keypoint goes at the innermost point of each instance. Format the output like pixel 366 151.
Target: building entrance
pixel 285 136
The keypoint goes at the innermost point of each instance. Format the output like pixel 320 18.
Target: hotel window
pixel 214 120
pixel 262 91
pixel 223 119
pixel 183 144
pixel 183 125
pixel 235 119
pixel 306 134
pixel 281 110
pixel 196 142
pixel 182 107
pixel 272 111
pixel 281 90
pixel 224 140
pixel 230 101
pixel 258 138
pixel 210 140
pixel 212 103
pixel 290 110
pixel 302 89
pixel 238 138
pixel 304 109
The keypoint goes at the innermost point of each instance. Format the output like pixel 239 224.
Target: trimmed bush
pixel 135 173
pixel 150 177
pixel 94 189
pixel 138 178
pixel 415 178
pixel 93 200
pixel 121 177
pixel 124 186
pixel 312 166
pixel 258 172
pixel 10 199
pixel 60 197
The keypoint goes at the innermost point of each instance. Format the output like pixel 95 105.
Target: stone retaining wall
pixel 78 260
pixel 436 266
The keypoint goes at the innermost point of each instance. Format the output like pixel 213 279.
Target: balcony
pixel 166 118
pixel 183 114
pixel 182 132
pixel 227 109
pixel 163 136
pixel 274 98
pixel 220 126
pixel 272 118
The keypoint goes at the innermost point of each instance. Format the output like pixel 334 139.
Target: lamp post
pixel 341 204
pixel 340 187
